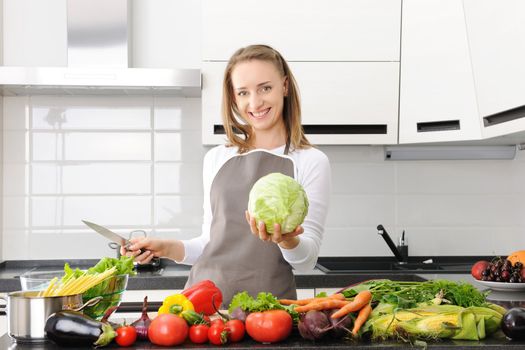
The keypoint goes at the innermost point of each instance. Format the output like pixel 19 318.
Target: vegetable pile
pixel 278 199
pixel 428 310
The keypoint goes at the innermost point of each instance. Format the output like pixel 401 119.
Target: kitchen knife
pixel 112 236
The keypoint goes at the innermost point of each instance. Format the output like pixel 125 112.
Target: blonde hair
pixel 291 110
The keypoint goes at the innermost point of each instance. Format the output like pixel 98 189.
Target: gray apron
pixel 234 258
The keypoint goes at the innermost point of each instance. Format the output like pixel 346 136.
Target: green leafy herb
pixel 408 294
pixel 263 302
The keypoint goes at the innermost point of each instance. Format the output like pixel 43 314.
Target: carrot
pixel 336 296
pixel 361 318
pixel 326 304
pixel 361 299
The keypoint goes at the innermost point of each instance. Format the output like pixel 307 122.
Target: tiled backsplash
pixel 135 162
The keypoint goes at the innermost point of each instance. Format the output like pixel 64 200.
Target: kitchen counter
pixel 296 342
pixel 172 276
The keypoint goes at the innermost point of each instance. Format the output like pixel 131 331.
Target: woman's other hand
pixel 287 240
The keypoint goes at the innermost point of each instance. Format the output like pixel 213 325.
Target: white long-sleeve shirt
pixel 312 171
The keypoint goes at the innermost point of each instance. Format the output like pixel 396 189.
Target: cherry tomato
pixel 235 330
pixel 218 334
pixel 199 333
pixel 126 335
pixel 168 330
pixel 269 326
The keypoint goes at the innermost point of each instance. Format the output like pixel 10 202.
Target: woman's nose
pixel 255 101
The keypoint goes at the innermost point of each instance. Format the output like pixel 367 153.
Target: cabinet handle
pixel 505 116
pixel 331 129
pixel 442 125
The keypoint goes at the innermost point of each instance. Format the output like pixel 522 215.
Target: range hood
pixel 98 60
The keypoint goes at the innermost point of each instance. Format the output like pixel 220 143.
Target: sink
pixel 333 265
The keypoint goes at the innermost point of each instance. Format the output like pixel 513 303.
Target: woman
pixel 262 119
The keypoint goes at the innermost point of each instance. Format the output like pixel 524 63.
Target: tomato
pixel 269 326
pixel 199 333
pixel 216 321
pixel 218 334
pixel 235 330
pixel 126 335
pixel 167 330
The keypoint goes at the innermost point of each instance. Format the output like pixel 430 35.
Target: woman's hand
pixel 152 247
pixel 287 240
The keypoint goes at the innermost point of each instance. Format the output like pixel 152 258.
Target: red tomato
pixel 269 326
pixel 126 335
pixel 168 330
pixel 199 333
pixel 216 321
pixel 235 330
pixel 218 334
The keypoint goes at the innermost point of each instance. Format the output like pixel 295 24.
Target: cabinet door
pixel 304 30
pixel 342 102
pixel 437 95
pixel 157 295
pixel 3 325
pixel 496 32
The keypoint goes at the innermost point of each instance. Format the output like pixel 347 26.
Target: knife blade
pixel 112 236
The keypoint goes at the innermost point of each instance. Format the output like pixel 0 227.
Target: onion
pixel 239 314
pixel 141 325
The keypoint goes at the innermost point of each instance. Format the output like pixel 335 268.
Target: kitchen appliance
pixel 27 312
pixel 99 57
pixel 121 241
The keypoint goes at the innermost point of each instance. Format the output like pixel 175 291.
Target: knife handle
pixel 128 243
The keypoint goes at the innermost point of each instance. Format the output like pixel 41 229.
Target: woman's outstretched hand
pixel 286 240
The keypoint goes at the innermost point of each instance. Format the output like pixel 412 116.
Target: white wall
pixel 60 166
pixel 136 163
pixel 1 120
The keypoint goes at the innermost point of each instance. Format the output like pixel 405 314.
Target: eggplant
pixel 73 328
pixel 513 323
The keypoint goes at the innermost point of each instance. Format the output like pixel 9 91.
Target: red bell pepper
pixel 205 296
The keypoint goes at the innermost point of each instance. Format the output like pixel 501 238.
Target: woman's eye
pixel 266 88
pixel 241 93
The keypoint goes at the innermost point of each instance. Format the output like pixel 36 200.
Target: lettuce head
pixel 277 198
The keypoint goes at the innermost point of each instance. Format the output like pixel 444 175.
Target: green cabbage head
pixel 277 198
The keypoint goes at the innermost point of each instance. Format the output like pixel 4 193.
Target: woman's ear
pixel 285 87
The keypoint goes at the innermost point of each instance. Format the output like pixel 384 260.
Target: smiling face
pixel 259 91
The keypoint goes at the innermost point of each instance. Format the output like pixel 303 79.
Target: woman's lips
pixel 260 114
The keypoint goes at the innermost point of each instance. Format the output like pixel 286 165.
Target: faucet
pixel 401 251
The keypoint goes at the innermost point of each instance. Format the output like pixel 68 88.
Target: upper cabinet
pixel 342 102
pixel 496 32
pixel 304 30
pixel 343 53
pixel 437 95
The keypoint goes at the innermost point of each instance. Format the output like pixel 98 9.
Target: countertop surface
pixel 296 342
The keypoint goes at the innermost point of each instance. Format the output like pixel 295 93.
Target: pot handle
pixel 90 302
pixel 3 308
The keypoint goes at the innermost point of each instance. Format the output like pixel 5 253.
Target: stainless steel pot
pixel 27 312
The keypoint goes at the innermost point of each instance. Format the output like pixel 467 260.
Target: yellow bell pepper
pixel 175 304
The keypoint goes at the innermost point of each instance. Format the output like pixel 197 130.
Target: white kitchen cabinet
pixel 496 33
pixel 327 290
pixel 304 30
pixel 3 325
pixel 437 94
pixel 157 295
pixel 342 102
pixel 305 293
